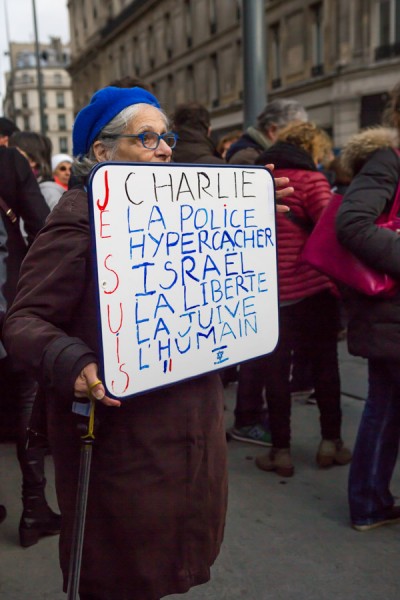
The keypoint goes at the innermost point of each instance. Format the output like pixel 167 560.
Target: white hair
pixel 116 126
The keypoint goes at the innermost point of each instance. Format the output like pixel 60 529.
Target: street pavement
pixel 286 539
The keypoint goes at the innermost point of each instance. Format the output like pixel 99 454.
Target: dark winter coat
pixel 194 146
pixel 20 191
pixel 311 194
pixel 3 278
pixel 374 323
pixel 247 149
pixel 158 488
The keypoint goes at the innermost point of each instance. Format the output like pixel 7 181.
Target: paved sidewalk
pixel 286 539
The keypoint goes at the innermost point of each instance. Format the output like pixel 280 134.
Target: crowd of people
pixel 163 457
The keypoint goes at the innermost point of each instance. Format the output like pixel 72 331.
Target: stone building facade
pixel 22 96
pixel 338 57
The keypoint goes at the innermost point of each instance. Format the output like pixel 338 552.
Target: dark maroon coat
pixel 158 489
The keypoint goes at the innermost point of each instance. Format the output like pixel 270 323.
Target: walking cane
pixel 80 509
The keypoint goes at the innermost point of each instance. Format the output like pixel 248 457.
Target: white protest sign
pixel 186 270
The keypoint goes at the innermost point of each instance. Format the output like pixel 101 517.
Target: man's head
pixel 7 128
pixel 279 113
pixel 193 115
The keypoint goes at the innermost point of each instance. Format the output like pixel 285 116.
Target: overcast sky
pixel 52 20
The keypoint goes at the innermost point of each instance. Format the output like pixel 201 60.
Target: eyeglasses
pixel 63 168
pixel 149 139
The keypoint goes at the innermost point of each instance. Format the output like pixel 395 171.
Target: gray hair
pixel 117 126
pixel 280 112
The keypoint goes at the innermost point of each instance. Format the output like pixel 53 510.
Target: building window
pixel 238 10
pixel 123 61
pixel 358 27
pixel 62 122
pixel 110 9
pixel 26 123
pixel 275 36
pixel 57 79
pixel 151 46
pixel 168 35
pixel 60 100
pixel 44 100
pixel 214 81
pixel 317 40
pixel 170 92
pixel 190 87
pixel 388 29
pixel 136 56
pixel 24 99
pixel 188 23
pixel 384 23
pixel 63 144
pixel 372 109
pixel 46 122
pixel 343 25
pixel 213 16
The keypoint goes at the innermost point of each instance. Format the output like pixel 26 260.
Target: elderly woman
pixel 158 488
pixel 61 165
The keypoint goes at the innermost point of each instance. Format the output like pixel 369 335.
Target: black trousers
pixel 312 324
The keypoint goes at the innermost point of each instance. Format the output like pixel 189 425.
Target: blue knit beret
pixel 105 104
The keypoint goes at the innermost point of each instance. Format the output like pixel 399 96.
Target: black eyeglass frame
pixel 141 136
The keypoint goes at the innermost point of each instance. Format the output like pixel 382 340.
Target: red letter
pixel 104 205
pixel 121 318
pixel 127 378
pixel 112 271
pixel 103 225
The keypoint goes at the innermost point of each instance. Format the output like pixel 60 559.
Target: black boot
pixel 37 518
pixel 3 513
pixel 37 521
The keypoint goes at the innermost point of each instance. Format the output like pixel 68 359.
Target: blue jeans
pixel 377 445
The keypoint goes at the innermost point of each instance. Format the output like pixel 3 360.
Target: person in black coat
pixel 21 193
pixel 191 122
pixel 21 199
pixel 374 332
pixel 3 307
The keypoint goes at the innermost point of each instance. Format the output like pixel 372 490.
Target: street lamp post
pixel 11 81
pixel 39 74
pixel 254 60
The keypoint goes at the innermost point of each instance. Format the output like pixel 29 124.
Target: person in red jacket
pixel 309 315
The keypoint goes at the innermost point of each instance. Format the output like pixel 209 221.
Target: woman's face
pixel 63 172
pixel 132 149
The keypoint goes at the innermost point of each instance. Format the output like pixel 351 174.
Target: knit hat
pixel 59 158
pixel 105 104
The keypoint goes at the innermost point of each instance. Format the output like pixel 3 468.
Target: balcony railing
pixel 387 51
pixel 317 70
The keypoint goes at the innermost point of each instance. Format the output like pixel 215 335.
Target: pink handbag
pixel 324 252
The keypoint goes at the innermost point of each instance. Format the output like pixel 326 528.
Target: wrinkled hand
pixel 87 384
pixel 280 182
